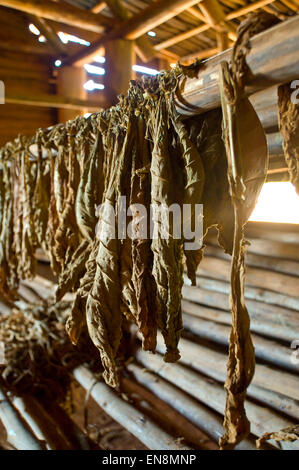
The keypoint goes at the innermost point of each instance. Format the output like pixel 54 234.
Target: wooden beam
pixel 155 14
pixel 143 46
pixel 231 31
pixel 98 7
pixel 120 58
pixel 50 34
pixel 152 16
pixel 181 37
pixel 247 9
pixel 62 12
pixel 53 101
pixel 273 59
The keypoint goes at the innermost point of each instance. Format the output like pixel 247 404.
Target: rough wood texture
pixel 61 12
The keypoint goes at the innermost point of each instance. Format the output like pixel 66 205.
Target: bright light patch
pixel 152 34
pixel 86 115
pixel 65 38
pixel 100 59
pixel 90 85
pixel 146 70
pixel 278 202
pixel 42 39
pixel 58 63
pixel 94 69
pixel 34 29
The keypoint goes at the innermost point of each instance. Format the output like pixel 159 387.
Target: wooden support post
pixel 70 85
pixel 222 40
pixel 120 58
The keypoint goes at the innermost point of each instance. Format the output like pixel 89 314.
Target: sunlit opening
pixel 278 202
pixel 34 29
pixel 100 59
pixel 42 39
pixel 90 85
pixel 65 38
pixel 58 63
pixel 94 69
pixel 146 70
pixel 152 34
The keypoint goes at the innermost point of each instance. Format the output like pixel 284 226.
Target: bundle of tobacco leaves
pixel 38 355
pixel 58 189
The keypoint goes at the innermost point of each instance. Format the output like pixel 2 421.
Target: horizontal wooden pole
pixel 19 434
pixel 165 415
pixel 203 417
pixel 272 59
pixel 262 278
pixel 53 101
pixel 210 393
pixel 265 349
pixel 135 422
pixel 62 12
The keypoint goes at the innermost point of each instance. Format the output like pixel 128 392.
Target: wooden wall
pixel 23 73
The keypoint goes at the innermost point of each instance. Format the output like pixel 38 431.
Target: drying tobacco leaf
pixel 247 158
pixel 289 434
pixel 103 313
pixel 167 253
pixel 40 200
pixel 67 236
pixel 194 185
pixel 142 277
pixel 288 114
pixel 76 320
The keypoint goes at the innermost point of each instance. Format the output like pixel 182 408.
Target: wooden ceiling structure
pixel 183 30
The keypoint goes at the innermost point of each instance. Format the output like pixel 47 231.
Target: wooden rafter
pixel 152 16
pixel 273 56
pixel 199 29
pixel 98 7
pixel 50 34
pixel 61 12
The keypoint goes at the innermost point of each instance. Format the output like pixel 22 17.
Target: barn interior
pixel 130 343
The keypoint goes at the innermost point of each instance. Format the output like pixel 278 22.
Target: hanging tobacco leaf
pixel 247 157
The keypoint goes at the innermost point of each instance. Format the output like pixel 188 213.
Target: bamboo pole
pixel 272 60
pixel 19 435
pixel 213 364
pixel 212 394
pixel 203 417
pixel 262 278
pixel 165 415
pixel 272 263
pixel 41 423
pixel 265 349
pixel 268 320
pixel 134 421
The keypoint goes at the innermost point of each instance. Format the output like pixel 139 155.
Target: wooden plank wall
pixel 23 73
